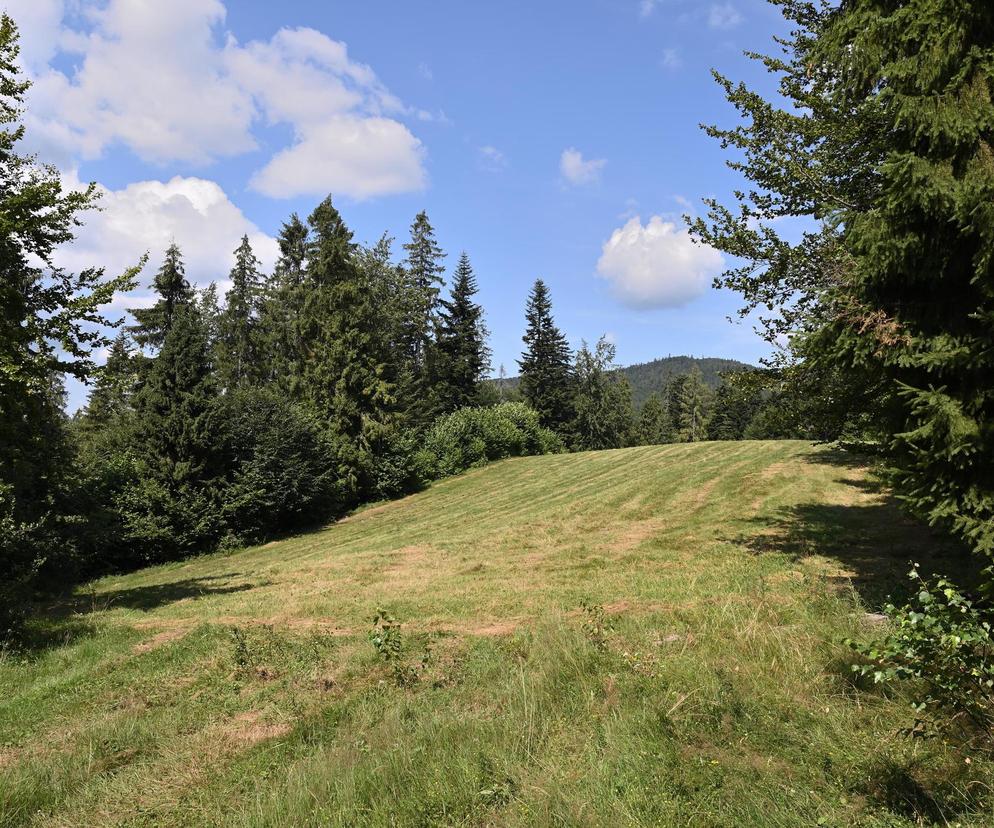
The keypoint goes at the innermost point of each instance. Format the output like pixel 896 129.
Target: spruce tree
pixel 153 324
pixel 885 142
pixel 424 270
pixel 546 373
pixel 463 358
pixel 280 308
pixel 344 364
pixel 694 407
pixel 602 400
pixel 654 426
pixel 112 392
pixel 173 437
pixel 239 336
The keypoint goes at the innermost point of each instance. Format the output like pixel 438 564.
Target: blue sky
pixel 554 139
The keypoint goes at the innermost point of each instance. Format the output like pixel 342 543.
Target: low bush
pixel 942 644
pixel 472 437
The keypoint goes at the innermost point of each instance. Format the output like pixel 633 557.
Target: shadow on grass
pixel 157 595
pixel 874 541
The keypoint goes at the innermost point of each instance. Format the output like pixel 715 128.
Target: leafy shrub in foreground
pixel 473 437
pixel 944 644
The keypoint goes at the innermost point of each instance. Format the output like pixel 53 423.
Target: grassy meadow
pixel 649 636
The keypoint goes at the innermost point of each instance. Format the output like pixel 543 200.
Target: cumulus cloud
pixel 723 16
pixel 166 81
pixel 577 170
pixel 657 265
pixel 148 216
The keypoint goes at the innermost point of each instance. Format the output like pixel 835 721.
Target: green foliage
pixel 602 405
pixel 596 625
pixel 653 426
pixel 50 326
pixel 883 139
pixel 691 403
pixel 475 436
pixel 546 376
pixel 278 465
pixel 461 355
pixel 239 347
pixel 942 645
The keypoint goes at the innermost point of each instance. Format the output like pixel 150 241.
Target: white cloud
pixel 371 157
pixel 671 59
pixel 576 170
pixel 492 158
pixel 647 7
pixel 166 81
pixel 723 16
pixel 149 216
pixel 657 265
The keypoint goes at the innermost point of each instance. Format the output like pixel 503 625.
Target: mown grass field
pixel 243 689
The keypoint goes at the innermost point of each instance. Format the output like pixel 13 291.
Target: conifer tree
pixel 174 439
pixel 602 401
pixel 734 407
pixel 654 427
pixel 463 358
pixel 546 373
pixel 424 271
pixel 239 338
pixel 344 364
pixel 281 305
pixel 152 324
pixel 112 392
pixel 885 142
pixel 694 407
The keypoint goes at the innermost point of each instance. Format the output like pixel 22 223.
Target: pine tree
pixel 424 271
pixel 239 337
pixel 463 358
pixel 654 425
pixel 885 143
pixel 111 396
pixel 735 405
pixel 546 374
pixel 153 324
pixel 694 407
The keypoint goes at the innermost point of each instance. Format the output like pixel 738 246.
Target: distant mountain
pixel 648 378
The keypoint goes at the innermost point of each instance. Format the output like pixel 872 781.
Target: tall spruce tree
pixel 694 402
pixel 654 425
pixel 280 309
pixel 153 324
pixel 462 356
pixel 176 515
pixel 424 271
pixel 110 399
pixel 546 373
pixel 603 415
pixel 886 143
pixel 239 343
pixel 50 325
pixel 344 363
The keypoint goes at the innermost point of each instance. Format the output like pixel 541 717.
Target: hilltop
pixel 648 378
pixel 648 636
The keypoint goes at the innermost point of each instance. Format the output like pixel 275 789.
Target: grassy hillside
pixel 648 378
pixel 243 689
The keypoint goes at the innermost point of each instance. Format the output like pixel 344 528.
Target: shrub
pixel 472 437
pixel 943 644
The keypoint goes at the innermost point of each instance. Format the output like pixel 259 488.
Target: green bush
pixel 472 437
pixel 943 645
